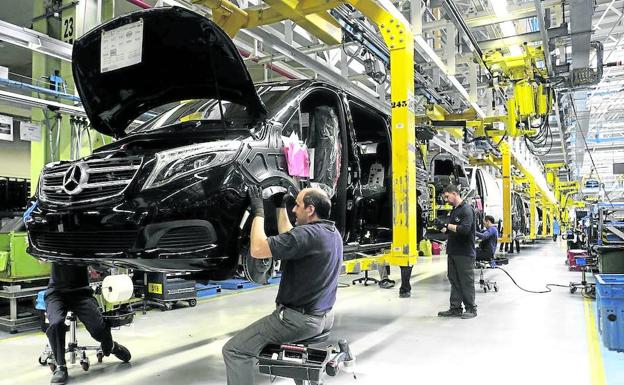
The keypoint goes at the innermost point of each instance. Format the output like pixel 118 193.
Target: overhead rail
pixel 36 41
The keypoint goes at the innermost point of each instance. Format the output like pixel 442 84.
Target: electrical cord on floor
pixel 548 286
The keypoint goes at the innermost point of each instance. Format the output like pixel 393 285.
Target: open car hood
pixel 148 58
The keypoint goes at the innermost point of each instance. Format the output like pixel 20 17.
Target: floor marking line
pixel 596 366
pixel 27 333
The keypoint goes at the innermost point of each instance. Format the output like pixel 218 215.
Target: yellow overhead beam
pixel 300 13
pixel 226 14
pixel 554 166
pixel 309 14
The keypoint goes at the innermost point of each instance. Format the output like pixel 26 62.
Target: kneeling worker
pixel 311 255
pixel 489 237
pixel 69 290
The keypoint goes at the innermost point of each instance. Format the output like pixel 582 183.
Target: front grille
pixel 96 179
pixel 85 241
pixel 184 237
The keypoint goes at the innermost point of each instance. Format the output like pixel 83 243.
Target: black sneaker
pixel 469 314
pixel 60 376
pixel 450 313
pixel 405 294
pixel 121 352
pixel 386 283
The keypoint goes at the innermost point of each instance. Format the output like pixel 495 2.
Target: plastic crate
pixel 610 306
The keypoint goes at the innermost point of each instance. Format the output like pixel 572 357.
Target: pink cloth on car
pixel 297 156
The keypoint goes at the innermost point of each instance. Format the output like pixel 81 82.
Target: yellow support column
pixel 399 39
pixel 398 36
pixel 533 210
pixel 506 169
pixel 544 215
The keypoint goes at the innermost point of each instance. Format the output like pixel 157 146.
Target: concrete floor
pixel 518 338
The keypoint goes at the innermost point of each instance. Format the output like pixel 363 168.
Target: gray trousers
pixel 461 276
pixel 284 325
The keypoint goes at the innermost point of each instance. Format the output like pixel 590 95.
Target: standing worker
pixel 556 230
pixel 69 290
pixel 311 255
pixel 461 252
pixel 489 237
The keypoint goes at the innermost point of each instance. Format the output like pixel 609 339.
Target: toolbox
pixel 296 362
pixel 165 289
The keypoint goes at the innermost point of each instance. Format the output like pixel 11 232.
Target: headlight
pixel 182 161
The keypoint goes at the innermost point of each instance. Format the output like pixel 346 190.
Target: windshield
pixel 236 116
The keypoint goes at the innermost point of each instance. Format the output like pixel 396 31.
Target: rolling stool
pixel 305 365
pixel 487 284
pixel 585 263
pixel 74 350
pixel 365 279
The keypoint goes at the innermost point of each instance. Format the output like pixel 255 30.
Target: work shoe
pixel 121 352
pixel 386 283
pixel 450 313
pixel 60 376
pixel 405 294
pixel 469 314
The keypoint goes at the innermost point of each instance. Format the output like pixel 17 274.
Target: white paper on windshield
pixel 121 47
pixel 30 132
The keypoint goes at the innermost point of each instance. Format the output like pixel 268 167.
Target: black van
pixel 170 194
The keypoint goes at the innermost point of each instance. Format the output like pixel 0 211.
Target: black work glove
pixel 255 198
pixel 283 200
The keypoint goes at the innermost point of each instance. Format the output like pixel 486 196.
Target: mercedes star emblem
pixel 75 178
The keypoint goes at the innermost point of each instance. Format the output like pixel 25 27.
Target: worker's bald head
pixel 312 204
pixel 319 199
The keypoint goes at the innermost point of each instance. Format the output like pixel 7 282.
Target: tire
pixel 192 302
pixel 258 271
pixel 100 357
pixel 42 362
pixel 85 365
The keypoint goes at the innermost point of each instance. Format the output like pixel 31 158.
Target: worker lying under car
pixel 69 290
pixel 311 255
pixel 489 237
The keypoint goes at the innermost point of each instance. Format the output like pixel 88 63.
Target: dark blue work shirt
pixel 462 242
pixel 311 256
pixel 488 240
